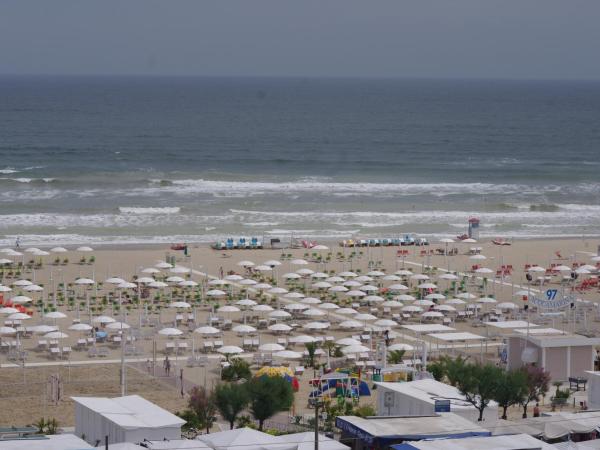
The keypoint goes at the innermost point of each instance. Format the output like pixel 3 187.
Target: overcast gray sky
pixel 554 39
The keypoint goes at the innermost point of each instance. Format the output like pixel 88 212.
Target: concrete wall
pixel 556 363
pixel 581 360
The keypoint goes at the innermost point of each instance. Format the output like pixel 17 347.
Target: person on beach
pixel 221 272
pixel 167 366
pixel 18 242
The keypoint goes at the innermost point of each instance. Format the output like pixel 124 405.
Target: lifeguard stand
pixel 474 228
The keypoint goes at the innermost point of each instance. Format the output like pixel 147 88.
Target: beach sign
pixel 552 299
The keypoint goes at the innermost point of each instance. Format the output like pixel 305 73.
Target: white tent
pixel 243 439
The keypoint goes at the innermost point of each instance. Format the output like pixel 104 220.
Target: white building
pixel 123 419
pixel 419 398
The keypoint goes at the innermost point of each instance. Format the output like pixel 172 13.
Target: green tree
pixel 395 356
pixel 238 369
pixel 311 348
pixel 231 399
pixel 202 404
pixel 478 383
pixel 453 368
pixel 268 396
pixel 538 381
pixel 437 369
pixel 511 389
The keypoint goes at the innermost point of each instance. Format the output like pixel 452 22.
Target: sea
pixel 124 160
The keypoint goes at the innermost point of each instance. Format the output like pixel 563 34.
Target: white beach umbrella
pixel 444 307
pixel 484 271
pixel 403 273
pixel 299 262
pixel 5 261
pixel 42 329
pixel 8 310
pixel 296 307
pixel 338 289
pixel 246 263
pixel 230 350
pixel 427 286
pixel 117 326
pixel 328 306
pixel 277 291
pixel 486 300
pixel 305 271
pixel 246 302
pixel 448 276
pixel 279 314
pixel 391 278
pixel 7 331
pixel 287 354
pixel 228 309
pixel 423 302
pixel 368 288
pixel 5 289
pixel 207 330
pixel 180 269
pixel 262 286
pixel 374 299
pixel 263 268
pixel 405 347
pixel 302 339
pixel 114 280
pixel 84 281
pixel 392 304
pixel 319 275
pixel 279 327
pixel 127 285
pixel 313 312
pixel 351 283
pixel 385 323
pixel 262 308
pixel 187 283
pixel 158 285
pixel 80 327
pixel 56 335
pixel 335 279
pixel 243 329
pixel 151 270
pixel 291 276
pixel 33 288
pixel 419 277
pixel 317 325
pixel 466 296
pixel 272 263
pixel 355 294
pixel 397 287
pixel 31 250
pixel 247 282
pixel 175 279
pixel 405 298
pixel 435 296
pixel 84 248
pixel 22 283
pixel 179 305
pixel 145 280
pixel 293 295
pixel 364 317
pixel 55 315
pixel 432 315
pixel 347 342
pixel 351 349
pixel 412 309
pixel 59 250
pixel 218 282
pixel 351 324
pixel 310 301
pixel 20 299
pixel 103 319
pixel 271 347
pixel 346 311
pixel 170 332
pixel 232 277
pixel 216 293
pixel 163 265
pixel 347 274
pixel 454 301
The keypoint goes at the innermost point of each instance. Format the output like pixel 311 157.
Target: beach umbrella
pixel 444 307
pixel 310 301
pixel 84 248
pixel 346 311
pixel 271 347
pixel 42 329
pixel 246 302
pixel 262 286
pixel 118 326
pixel 207 330
pixel 364 317
pixel 5 261
pixel 561 268
pixel 55 315
pixel 486 300
pixel 232 277
pixel 473 306
pixel 280 327
pixel 391 278
pixel 19 316
pixel 263 268
pixel 56 335
pixel 355 294
pixel 291 276
pixel 302 339
pixel 20 299
pixel 328 306
pixel 80 327
pixel 296 307
pixel 228 309
pixel 187 283
pixel 145 280
pixel 347 274
pixel 150 270
pixel 114 280
pixel 293 295
pixel 7 331
pixel 351 324
pixel 435 296
pixel 248 282
pixel 454 301
pixel 245 263
pixel 478 257
pixel 175 279
pixel 582 271
pixel 277 291
pixel 5 289
pixel 244 329
pixel 466 296
pixel 215 293
pixel 385 323
pixel 287 354
pixel 335 279
pixel 170 332
pixel 33 288
pixel 158 285
pixel 230 350
pixel 405 298
pixel 374 298
pixel 299 262
pixel 506 305
pixel 304 272
pixel 319 275
pixel 397 287
pixel 32 250
pixel 448 276
pixel 163 265
pixel 320 247
pixel 180 269
pixel 8 310
pixel 392 304
pixel 405 347
pixel 412 309
pixel 423 302
pixel 376 273
pixel 218 282
pixel 84 281
pixel 484 271
pixel 317 325
pixel 352 349
pixel 338 289
pixel 419 277
pixel 313 312
pixel 351 283
pixel 262 308
pixel 103 319
pixel 22 283
pixel 179 305
pixel 347 342
pixel 427 286
pixel 537 269
pixel 432 315
pixel 126 285
pixel 272 263
pixel 58 250
pixel 368 288
pixel 278 314
pixel 403 273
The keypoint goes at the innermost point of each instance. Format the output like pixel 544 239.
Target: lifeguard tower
pixel 474 228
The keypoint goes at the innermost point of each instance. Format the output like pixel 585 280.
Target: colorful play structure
pixel 338 384
pixel 285 372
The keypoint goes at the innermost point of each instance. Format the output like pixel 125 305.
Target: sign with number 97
pixel 551 294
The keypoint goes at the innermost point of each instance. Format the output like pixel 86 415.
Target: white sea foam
pixel 151 210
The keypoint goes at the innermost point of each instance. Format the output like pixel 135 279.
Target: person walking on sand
pixel 18 242
pixel 167 366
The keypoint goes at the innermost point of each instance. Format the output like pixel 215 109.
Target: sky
pixel 539 39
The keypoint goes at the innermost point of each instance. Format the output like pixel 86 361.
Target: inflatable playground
pixel 284 372
pixel 340 384
pixel 241 243
pixel 385 242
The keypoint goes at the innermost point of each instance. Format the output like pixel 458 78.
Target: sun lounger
pixel 299 371
pixel 208 346
pixel 102 351
pixel 218 344
pixel 66 351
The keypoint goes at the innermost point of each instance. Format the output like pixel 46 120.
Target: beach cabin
pixel 562 354
pixel 123 419
pixel 427 397
pixel 380 433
